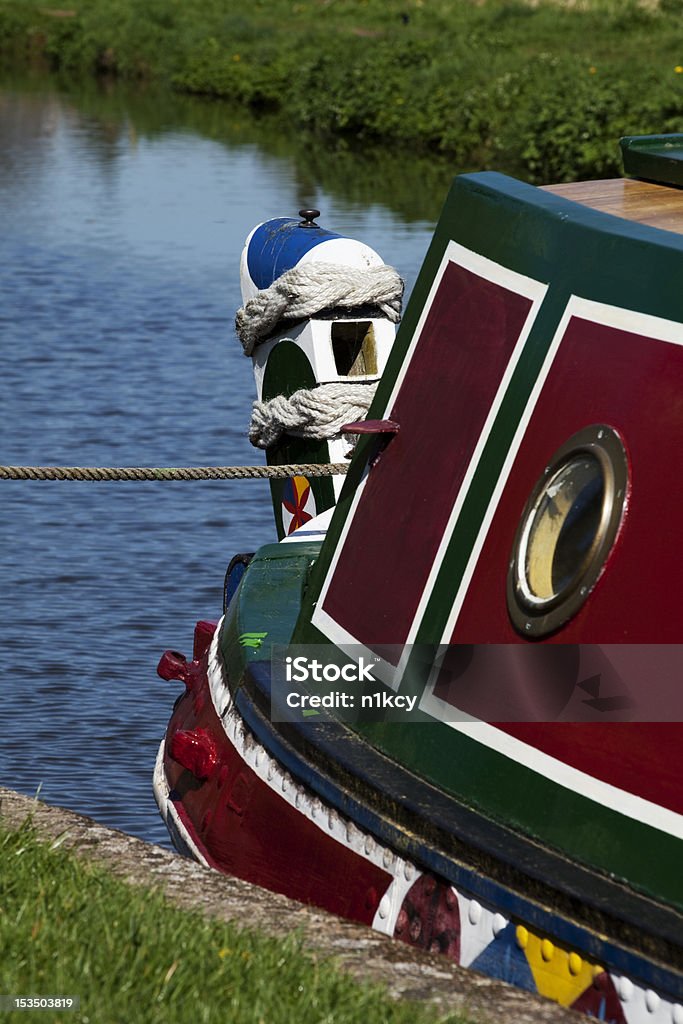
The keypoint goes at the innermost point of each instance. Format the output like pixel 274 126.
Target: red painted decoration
pixel 642 402
pixel 633 384
pixel 203 635
pixel 430 918
pixel 173 665
pixel 253 832
pixel 645 758
pixel 371 427
pixel 601 1001
pixel 295 497
pixel 195 750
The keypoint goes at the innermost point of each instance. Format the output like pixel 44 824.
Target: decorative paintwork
pixel 569 250
pixel 287 367
pixel 298 504
pixel 302 354
pixel 640 402
pixel 280 244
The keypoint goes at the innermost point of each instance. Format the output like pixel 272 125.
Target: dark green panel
pixel 266 603
pixel 518 797
pixel 654 157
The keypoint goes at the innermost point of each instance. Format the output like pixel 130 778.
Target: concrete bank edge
pixel 405 973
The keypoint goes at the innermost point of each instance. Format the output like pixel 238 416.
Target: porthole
pixel 567 530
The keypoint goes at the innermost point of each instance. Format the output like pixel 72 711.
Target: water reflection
pixel 409 184
pixel 123 220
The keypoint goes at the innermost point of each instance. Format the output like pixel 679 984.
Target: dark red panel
pixel 643 758
pixel 635 385
pixel 465 346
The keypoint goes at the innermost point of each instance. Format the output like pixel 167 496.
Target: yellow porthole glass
pixel 567 529
pixel 564 527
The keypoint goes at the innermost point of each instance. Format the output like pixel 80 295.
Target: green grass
pixel 68 927
pixel 543 90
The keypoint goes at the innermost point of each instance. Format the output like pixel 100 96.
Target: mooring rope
pixel 166 473
pixel 299 292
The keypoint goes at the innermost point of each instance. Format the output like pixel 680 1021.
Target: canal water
pixel 123 217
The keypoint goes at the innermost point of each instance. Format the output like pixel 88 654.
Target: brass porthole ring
pixel 567 530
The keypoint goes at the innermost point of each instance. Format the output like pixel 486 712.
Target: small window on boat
pixel 567 530
pixel 354 348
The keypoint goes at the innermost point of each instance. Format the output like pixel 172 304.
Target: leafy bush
pixel 543 90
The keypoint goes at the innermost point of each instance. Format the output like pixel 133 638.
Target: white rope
pixel 312 412
pixel 305 290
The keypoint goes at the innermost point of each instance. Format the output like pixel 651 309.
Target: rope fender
pixel 307 289
pixel 310 412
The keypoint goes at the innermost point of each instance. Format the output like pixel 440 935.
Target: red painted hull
pixel 254 821
pixel 239 824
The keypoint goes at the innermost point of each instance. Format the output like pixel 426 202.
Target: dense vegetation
pixel 539 88
pixel 68 928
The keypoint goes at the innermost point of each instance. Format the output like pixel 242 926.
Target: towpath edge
pixel 366 955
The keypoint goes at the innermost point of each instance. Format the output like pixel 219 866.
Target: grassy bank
pixel 69 928
pixel 540 89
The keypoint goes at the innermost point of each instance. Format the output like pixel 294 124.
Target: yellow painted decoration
pixel 559 974
pixel 575 963
pixel 522 936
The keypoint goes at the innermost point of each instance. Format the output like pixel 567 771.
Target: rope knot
pixel 305 290
pixel 318 413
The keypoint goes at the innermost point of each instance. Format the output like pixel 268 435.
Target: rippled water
pixel 119 256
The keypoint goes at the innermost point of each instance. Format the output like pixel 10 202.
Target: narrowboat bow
pixel 447 702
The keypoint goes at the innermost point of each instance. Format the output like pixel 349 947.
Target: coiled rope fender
pixel 311 412
pixel 181 473
pixel 305 290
